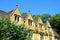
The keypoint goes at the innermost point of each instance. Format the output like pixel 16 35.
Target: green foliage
pixel 24 13
pixel 55 22
pixel 45 17
pixel 35 16
pixel 10 31
pixel 18 32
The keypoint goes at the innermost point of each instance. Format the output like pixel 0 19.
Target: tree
pixel 10 31
pixel 45 17
pixel 35 16
pixel 55 22
pixel 24 13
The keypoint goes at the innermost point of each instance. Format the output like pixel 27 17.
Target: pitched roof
pixel 3 13
pixel 36 21
pixel 10 12
pixel 56 34
pixel 44 24
pixel 24 16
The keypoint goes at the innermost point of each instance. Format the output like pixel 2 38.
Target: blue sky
pixel 35 6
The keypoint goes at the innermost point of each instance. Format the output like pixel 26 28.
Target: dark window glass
pixel 17 18
pixel 49 29
pixel 42 36
pixel 50 37
pixel 30 34
pixel 30 22
pixel 41 26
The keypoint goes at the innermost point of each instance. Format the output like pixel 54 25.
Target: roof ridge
pixel 3 11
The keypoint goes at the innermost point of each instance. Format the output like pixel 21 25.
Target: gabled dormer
pixel 28 21
pixel 40 20
pixel 15 16
pixel 48 31
pixel 49 28
pixel 39 24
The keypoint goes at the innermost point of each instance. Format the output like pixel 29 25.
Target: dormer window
pixel 41 26
pixel 49 29
pixel 30 22
pixel 16 18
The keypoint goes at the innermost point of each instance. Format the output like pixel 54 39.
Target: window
pixel 49 29
pixel 50 37
pixel 41 36
pixel 17 18
pixel 30 22
pixel 41 26
pixel 30 34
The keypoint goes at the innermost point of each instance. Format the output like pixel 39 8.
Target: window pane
pixel 30 34
pixel 30 22
pixel 49 29
pixel 17 18
pixel 41 26
pixel 42 36
pixel 50 37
